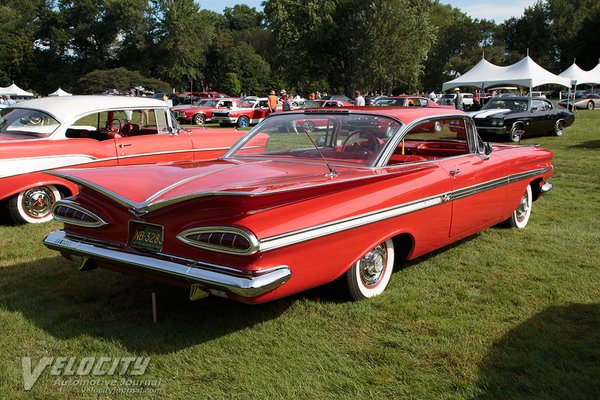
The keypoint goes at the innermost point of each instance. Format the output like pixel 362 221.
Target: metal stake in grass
pixel 154 319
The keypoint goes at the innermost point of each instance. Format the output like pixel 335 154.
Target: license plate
pixel 146 237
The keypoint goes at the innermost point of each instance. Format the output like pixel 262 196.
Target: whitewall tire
pixel 370 275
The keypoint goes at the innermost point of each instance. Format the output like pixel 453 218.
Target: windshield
pixel 26 123
pixel 511 104
pixel 206 103
pixel 342 138
pixel 390 102
pixel 313 104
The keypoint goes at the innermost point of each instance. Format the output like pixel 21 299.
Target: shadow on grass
pixel 68 304
pixel 592 144
pixel 554 355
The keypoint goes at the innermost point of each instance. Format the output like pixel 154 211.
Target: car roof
pixel 69 107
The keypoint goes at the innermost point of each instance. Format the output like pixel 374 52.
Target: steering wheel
pixel 112 126
pixel 369 146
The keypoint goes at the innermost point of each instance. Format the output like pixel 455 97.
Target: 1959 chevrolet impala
pixel 286 209
pixel 42 134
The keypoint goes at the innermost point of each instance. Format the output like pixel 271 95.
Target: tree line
pixel 338 46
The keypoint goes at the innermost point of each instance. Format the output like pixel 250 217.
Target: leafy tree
pixel 18 33
pixel 242 17
pixel 460 43
pixel 123 80
pixel 231 84
pixel 182 37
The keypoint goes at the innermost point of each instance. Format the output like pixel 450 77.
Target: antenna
pixel 332 172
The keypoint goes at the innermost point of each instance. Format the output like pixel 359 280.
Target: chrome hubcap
pixel 372 265
pixel 38 202
pixel 523 208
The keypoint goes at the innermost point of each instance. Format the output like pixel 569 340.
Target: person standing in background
pixel 273 102
pixel 359 101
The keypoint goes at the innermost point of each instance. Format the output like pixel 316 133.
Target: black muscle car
pixel 518 116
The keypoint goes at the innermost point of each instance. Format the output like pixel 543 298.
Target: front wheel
pixel 34 205
pixel 243 121
pixel 516 133
pixel 199 119
pixel 559 128
pixel 520 217
pixel 590 105
pixel 370 275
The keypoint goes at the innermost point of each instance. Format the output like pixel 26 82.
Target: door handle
pixel 121 145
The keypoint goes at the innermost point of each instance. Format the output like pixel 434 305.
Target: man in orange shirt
pixel 273 101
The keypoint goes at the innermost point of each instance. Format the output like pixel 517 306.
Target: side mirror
pixel 320 142
pixel 488 149
pixel 534 108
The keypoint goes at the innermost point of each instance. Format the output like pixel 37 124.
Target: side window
pixel 435 139
pixel 264 103
pixel 162 124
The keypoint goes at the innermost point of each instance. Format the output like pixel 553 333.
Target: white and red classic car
pixel 250 111
pixel 202 111
pixel 42 134
pixel 286 210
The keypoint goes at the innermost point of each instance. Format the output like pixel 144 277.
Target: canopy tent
pixel 14 90
pixel 595 73
pixel 60 93
pixel 476 76
pixel 523 73
pixel 574 73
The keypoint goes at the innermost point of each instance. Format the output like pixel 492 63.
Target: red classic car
pixel 202 111
pixel 42 134
pixel 408 101
pixel 325 103
pixel 249 111
pixel 367 190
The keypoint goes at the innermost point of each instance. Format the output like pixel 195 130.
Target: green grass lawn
pixel 505 314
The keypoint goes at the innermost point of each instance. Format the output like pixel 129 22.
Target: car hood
pixel 496 112
pixel 146 187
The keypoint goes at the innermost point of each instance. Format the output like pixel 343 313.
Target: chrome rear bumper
pixel 217 277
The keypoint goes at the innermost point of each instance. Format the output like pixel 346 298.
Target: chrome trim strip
pixel 314 232
pixel 233 280
pixel 158 153
pixel 71 204
pixel 252 240
pixel 329 228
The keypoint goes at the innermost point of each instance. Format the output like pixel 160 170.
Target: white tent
pixel 523 73
pixel 14 90
pixel 477 76
pixel 595 73
pixel 574 73
pixel 59 92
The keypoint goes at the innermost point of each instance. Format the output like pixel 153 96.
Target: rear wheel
pixel 520 217
pixel 199 119
pixel 34 205
pixel 559 128
pixel 370 275
pixel 590 105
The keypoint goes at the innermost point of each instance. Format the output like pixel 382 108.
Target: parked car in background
pixel 249 112
pixel 83 131
pixel 537 94
pixel 581 101
pixel 513 117
pixel 407 101
pixel 449 99
pixel 286 210
pixel 339 97
pixel 325 103
pixel 202 111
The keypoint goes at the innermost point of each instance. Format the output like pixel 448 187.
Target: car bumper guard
pixel 221 278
